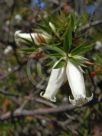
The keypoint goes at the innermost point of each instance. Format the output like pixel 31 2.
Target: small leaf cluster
pixel 66 42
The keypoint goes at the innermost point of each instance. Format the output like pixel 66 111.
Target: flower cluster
pixel 76 82
pixel 58 41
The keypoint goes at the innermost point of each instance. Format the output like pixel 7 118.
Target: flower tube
pixel 39 38
pixel 56 80
pixel 77 85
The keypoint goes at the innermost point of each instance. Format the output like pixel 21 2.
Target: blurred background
pixel 22 111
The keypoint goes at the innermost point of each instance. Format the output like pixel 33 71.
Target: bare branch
pixel 6 93
pixel 42 111
pixel 18 113
pixel 89 25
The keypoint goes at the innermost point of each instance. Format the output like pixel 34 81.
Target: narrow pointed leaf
pixel 29 42
pixel 28 49
pixel 68 40
pixel 81 49
pixel 56 49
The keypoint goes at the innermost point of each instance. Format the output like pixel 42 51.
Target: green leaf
pixel 75 61
pixel 44 24
pixel 61 63
pixel 51 60
pixel 68 33
pixel 40 71
pixel 26 40
pixel 72 20
pixel 29 42
pixel 28 49
pixel 81 49
pixel 56 49
pixel 68 40
pixel 98 58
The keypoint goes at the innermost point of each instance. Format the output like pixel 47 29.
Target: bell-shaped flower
pixel 77 85
pixel 39 38
pixel 56 80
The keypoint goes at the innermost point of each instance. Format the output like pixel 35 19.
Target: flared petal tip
pixel 80 101
pixel 48 97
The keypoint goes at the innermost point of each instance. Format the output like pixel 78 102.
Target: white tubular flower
pixel 39 38
pixel 56 80
pixel 77 85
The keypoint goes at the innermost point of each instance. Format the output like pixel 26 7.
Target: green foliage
pixel 68 40
pixel 62 41
pixel 27 41
pixel 98 58
pixel 60 63
pixel 32 49
pixel 81 49
pixel 55 49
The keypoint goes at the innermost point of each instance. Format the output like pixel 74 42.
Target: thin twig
pixel 42 111
pixel 89 25
pixel 6 93
pixel 18 113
